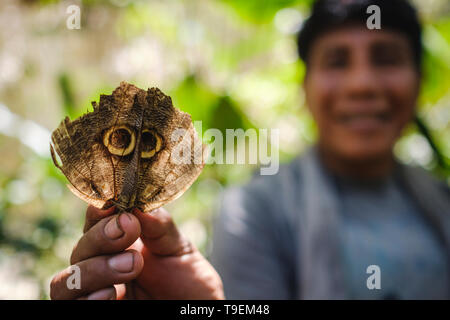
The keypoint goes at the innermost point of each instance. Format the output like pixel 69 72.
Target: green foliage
pixel 262 11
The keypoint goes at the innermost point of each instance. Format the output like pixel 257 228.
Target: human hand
pixel 136 256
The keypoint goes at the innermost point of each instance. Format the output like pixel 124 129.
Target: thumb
pixel 160 235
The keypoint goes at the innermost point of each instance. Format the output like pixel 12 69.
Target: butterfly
pixel 134 150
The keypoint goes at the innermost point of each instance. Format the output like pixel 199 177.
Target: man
pixel 344 221
pixel 314 229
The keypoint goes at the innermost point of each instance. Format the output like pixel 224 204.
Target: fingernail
pixel 104 294
pixel 113 229
pixel 123 262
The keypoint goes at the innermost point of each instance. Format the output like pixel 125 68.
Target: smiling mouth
pixel 365 121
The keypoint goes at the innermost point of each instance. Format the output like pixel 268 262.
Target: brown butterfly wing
pixel 95 175
pixel 166 176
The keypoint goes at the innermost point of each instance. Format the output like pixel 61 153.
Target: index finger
pixel 94 215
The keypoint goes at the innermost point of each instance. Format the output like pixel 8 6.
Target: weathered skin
pixel 108 162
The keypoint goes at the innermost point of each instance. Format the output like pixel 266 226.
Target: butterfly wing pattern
pixel 134 150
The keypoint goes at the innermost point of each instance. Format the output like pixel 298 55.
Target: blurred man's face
pixel 361 87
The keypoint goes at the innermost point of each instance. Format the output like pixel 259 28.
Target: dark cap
pixel 396 15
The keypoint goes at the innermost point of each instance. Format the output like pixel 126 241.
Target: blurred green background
pixel 231 64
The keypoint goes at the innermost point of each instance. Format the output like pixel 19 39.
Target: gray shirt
pixel 258 252
pixel 381 225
